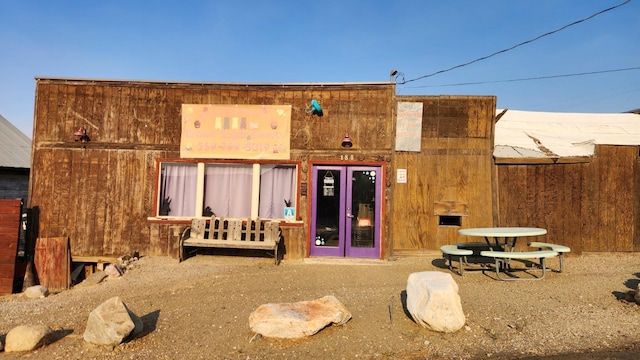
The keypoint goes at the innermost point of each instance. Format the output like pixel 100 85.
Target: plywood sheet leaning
pixel 53 263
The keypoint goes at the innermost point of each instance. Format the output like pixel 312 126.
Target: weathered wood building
pixel 354 191
pixel 103 151
pixel 577 175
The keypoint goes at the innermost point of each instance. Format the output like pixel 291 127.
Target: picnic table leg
pixel 500 261
pixel 496 246
pixel 461 258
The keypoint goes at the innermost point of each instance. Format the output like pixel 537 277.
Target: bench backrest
pixel 235 229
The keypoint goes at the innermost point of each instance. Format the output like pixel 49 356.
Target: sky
pixel 329 41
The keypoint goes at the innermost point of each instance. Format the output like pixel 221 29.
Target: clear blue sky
pixel 330 41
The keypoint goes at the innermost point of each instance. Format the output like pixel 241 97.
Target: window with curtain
pixel 227 189
pixel 178 184
pixel 277 190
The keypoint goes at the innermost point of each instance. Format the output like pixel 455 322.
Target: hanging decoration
pixel 328 184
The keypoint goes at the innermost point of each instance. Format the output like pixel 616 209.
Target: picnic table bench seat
pixel 502 261
pixel 451 251
pixel 560 249
pixel 233 233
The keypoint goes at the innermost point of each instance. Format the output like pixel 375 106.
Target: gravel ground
pixel 199 309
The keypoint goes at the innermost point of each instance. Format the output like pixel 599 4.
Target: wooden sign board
pixel 216 131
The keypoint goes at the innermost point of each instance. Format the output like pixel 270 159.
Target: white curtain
pixel 227 190
pixel 178 191
pixel 277 185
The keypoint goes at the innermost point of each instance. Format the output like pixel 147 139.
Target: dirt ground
pixel 199 309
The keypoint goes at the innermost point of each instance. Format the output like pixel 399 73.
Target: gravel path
pixel 199 309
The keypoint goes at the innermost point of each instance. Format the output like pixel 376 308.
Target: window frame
pixel 201 164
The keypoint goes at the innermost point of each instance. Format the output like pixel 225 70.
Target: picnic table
pixel 501 241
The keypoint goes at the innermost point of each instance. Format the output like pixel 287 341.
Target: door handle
pixel 350 216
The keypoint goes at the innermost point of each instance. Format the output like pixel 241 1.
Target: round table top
pixel 503 231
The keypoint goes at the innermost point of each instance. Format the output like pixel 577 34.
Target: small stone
pixel 36 292
pixel 114 270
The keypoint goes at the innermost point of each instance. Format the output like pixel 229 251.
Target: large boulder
pixel 433 301
pixel 111 323
pixel 297 320
pixel 27 337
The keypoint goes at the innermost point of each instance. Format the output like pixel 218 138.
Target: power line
pixel 520 44
pixel 528 78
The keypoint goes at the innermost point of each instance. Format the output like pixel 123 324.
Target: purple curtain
pixel 277 186
pixel 227 189
pixel 178 190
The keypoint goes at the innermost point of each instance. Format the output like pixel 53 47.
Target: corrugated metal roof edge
pixel 15 147
pixel 214 82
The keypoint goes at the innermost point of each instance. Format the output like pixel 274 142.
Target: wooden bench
pixel 450 251
pixel 560 249
pixel 233 233
pixel 502 261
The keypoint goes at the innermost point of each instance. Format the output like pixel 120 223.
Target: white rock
pixel 26 337
pixel 111 323
pixel 433 301
pixel 36 292
pixel 297 320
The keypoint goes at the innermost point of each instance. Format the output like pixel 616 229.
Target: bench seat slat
pixel 519 254
pixel 261 245
pixel 560 249
pixel 502 261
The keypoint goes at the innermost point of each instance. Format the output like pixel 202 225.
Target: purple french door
pixel 345 211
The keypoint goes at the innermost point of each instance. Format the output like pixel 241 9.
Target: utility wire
pixel 520 44
pixel 527 79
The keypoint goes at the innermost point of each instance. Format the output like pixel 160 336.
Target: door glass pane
pixel 363 197
pixel 328 208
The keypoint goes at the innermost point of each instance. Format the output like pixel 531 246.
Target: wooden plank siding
pixel 100 194
pixel 590 207
pixel 454 165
